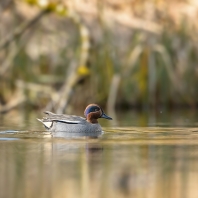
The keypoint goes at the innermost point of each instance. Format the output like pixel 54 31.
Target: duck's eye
pixel 96 109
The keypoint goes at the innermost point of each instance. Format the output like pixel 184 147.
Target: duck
pixel 75 124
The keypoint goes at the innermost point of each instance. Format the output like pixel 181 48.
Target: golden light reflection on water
pixel 115 165
pixel 127 162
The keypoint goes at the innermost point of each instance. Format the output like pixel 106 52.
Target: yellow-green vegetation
pixel 120 53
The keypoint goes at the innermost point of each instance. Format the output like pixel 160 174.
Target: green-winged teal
pixel 72 123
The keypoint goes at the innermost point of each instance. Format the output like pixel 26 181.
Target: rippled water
pixel 139 155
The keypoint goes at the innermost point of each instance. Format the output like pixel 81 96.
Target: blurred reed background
pixel 129 53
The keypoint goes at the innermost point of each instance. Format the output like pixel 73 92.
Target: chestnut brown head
pixel 93 112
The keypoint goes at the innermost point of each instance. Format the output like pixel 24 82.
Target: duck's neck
pixel 93 121
pixel 93 117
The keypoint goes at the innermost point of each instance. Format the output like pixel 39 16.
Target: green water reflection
pixel 133 161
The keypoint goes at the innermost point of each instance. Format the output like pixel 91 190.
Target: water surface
pixel 139 155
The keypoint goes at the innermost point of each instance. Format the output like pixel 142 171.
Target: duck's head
pixel 93 112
